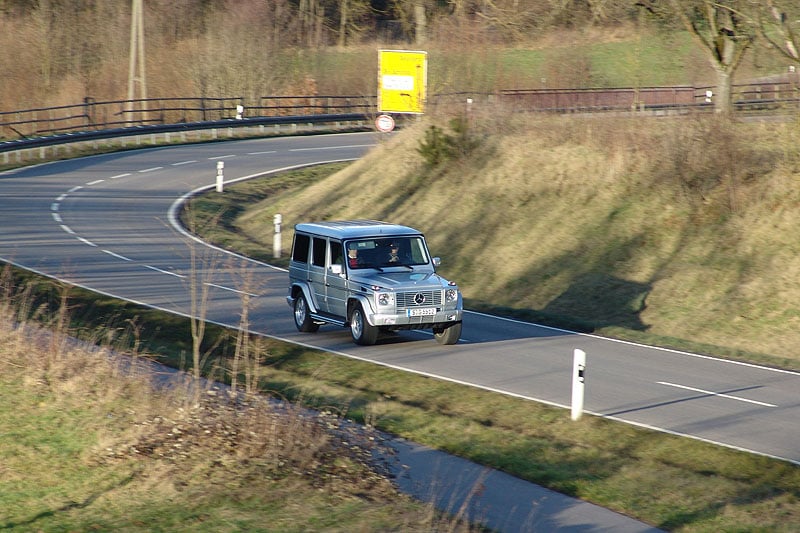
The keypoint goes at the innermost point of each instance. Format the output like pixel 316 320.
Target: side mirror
pixel 336 269
pixel 437 261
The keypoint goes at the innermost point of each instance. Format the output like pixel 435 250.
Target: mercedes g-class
pixel 370 276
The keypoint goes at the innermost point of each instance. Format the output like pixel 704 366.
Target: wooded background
pixel 59 51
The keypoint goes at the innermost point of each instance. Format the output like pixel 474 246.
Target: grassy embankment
pixel 677 232
pixel 90 442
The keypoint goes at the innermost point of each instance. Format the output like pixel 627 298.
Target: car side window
pixel 300 248
pixel 318 252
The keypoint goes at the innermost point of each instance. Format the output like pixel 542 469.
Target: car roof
pixel 355 229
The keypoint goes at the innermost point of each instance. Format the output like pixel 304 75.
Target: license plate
pixel 422 311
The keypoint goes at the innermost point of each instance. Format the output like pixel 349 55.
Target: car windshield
pixel 386 252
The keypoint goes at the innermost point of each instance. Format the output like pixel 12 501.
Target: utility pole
pixel 136 65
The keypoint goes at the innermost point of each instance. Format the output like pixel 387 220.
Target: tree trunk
pixel 420 24
pixel 723 102
pixel 343 23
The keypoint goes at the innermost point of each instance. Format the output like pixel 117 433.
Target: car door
pixel 316 272
pixel 335 281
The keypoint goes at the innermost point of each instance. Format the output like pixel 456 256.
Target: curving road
pixel 104 223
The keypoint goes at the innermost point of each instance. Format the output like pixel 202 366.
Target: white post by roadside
pixel 578 378
pixel 276 241
pixel 220 166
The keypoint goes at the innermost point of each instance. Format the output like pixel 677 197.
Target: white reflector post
pixel 578 378
pixel 277 220
pixel 220 178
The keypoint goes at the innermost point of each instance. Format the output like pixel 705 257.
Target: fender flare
pixel 366 305
pixel 300 287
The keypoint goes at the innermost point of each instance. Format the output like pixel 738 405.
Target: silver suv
pixel 371 276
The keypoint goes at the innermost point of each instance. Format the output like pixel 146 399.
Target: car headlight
pixel 451 295
pixel 384 298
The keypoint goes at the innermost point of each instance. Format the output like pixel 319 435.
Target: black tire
pixel 363 333
pixel 302 319
pixel 448 335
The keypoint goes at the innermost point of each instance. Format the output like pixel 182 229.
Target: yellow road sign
pixel 402 81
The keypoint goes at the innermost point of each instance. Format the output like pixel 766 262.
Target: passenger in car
pixel 352 258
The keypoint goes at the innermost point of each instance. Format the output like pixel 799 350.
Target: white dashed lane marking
pixel 718 394
pixel 56 206
pixel 118 256
pixel 151 267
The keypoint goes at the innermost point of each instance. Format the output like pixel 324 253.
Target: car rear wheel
pixel 302 319
pixel 448 335
pixel 363 333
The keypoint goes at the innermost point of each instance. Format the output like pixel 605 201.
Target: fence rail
pixel 758 96
pixel 93 119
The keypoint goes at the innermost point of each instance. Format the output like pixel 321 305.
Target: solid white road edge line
pixel 426 374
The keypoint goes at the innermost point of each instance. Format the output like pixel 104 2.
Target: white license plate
pixel 422 311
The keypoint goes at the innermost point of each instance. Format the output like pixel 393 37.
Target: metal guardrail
pixel 93 135
pixel 94 115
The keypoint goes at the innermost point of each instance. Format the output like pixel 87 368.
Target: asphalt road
pixel 104 222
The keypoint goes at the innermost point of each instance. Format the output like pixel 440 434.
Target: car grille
pixel 409 300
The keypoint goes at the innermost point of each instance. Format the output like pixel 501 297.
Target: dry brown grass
pixel 691 220
pixel 93 441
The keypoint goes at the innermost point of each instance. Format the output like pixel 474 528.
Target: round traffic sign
pixel 384 123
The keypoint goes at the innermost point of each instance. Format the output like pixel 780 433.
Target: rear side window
pixel 300 249
pixel 318 252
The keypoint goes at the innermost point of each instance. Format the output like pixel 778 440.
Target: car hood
pixel 402 281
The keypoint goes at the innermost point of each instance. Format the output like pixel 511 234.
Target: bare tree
pixel 725 30
pixel 420 23
pixel 248 348
pixel 414 15
pixel 312 20
pixel 344 13
pixel 204 262
pixel 778 26
pixel 353 16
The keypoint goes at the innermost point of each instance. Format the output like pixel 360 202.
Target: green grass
pixel 670 482
pixel 86 446
pixel 58 479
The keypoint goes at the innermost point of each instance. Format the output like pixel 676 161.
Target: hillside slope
pixel 681 228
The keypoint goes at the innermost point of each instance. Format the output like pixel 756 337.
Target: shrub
pixel 439 146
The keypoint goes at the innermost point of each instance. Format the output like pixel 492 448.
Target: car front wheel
pixel 363 333
pixel 448 335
